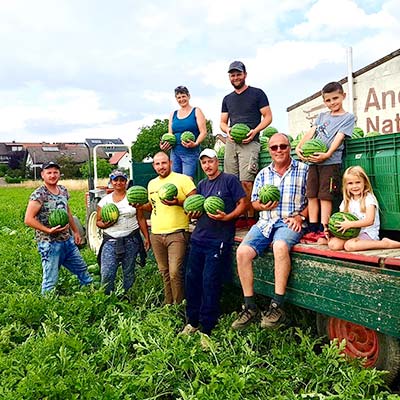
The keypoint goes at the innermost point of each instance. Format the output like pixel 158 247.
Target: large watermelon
pixel 269 131
pixel 371 134
pixel 357 133
pixel 264 143
pixel 269 193
pixel 167 191
pixel 212 204
pixel 188 136
pixel 57 217
pixel 313 146
pixel 194 202
pixel 109 213
pixel 137 195
pixel 239 132
pixel 170 138
pixel 339 217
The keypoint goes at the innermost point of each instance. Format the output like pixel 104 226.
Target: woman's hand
pixel 165 146
pixel 189 144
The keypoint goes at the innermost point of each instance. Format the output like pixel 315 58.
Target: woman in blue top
pixel 184 156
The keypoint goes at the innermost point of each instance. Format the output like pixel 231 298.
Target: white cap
pixel 208 153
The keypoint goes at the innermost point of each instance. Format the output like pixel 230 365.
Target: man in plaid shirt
pixel 280 225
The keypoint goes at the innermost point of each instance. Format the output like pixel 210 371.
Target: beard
pixel 239 85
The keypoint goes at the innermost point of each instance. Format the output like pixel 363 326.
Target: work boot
pixel 245 318
pixel 274 317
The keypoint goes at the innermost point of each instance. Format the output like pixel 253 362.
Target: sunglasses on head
pixel 181 89
pixel 275 147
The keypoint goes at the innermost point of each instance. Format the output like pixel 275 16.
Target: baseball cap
pixel 118 173
pixel 237 66
pixel 208 153
pixel 50 164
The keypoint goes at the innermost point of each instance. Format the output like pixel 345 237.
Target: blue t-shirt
pixel 180 125
pixel 328 126
pixel 244 108
pixel 229 188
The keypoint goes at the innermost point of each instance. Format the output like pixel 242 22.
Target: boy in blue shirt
pixel 325 168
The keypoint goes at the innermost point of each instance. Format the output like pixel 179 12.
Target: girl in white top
pixel 359 199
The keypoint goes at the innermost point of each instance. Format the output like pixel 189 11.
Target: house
pixel 8 149
pixel 120 159
pixel 109 150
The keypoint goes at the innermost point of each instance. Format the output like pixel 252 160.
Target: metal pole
pixel 350 95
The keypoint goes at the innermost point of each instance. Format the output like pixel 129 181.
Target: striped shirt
pixel 292 186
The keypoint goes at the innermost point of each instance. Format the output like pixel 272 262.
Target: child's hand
pixel 317 158
pixel 344 225
pixel 299 153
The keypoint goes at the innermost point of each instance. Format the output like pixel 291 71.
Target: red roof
pixel 116 157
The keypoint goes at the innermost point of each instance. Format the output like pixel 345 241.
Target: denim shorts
pixel 280 231
pixel 185 161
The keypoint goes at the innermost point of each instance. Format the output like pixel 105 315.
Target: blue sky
pixel 75 69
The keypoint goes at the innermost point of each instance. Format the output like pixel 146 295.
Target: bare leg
pixel 326 211
pixel 313 210
pixel 282 266
pixel 360 244
pixel 335 243
pixel 248 187
pixel 244 256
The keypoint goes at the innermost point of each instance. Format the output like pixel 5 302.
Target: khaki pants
pixel 169 251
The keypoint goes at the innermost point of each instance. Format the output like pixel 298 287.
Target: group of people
pixel 194 266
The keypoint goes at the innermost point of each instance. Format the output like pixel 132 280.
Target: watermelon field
pixel 82 344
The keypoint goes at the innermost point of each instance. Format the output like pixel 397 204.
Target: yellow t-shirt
pixel 168 219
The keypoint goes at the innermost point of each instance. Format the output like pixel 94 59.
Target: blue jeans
pixel 55 254
pixel 110 262
pixel 280 231
pixel 184 161
pixel 206 268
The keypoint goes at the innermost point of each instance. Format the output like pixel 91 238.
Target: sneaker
pixel 246 317
pixel 188 330
pixel 310 237
pixel 274 318
pixel 241 223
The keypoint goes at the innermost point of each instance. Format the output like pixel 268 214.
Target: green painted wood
pixel 366 295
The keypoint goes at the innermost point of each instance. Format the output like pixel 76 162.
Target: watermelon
pixel 357 133
pixel 137 195
pixel 170 138
pixel 57 217
pixel 371 134
pixel 269 193
pixel 167 191
pixel 269 131
pixel 187 136
pixel 312 146
pixel 212 204
pixel 194 202
pixel 264 143
pixel 239 132
pixel 109 213
pixel 339 217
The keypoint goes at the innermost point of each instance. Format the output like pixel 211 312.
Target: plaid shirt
pixel 292 185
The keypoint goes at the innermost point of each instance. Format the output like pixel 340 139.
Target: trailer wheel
pixel 379 350
pixel 94 234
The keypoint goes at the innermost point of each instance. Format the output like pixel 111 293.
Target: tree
pixel 70 169
pixel 104 168
pixel 16 160
pixel 148 140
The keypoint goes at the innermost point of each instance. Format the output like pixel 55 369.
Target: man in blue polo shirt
pixel 211 246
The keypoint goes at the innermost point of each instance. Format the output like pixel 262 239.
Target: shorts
pixel 323 181
pixel 280 231
pixel 242 160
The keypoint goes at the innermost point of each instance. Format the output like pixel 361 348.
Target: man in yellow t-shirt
pixel 169 227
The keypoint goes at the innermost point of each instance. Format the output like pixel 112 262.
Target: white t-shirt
pixel 354 208
pixel 127 221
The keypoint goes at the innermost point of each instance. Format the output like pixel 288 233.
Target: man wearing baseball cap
pixel 55 244
pixel 246 105
pixel 211 243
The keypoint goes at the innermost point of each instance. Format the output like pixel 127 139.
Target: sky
pixel 76 69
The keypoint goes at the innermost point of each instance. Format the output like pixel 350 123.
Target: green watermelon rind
pixel 269 132
pixel 109 213
pixel 358 133
pixel 269 193
pixel 312 146
pixel 188 136
pixel 57 217
pixel 239 132
pixel 137 195
pixel 339 217
pixel 168 191
pixel 194 203
pixel 170 138
pixel 212 204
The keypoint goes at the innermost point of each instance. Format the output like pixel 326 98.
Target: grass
pixel 82 344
